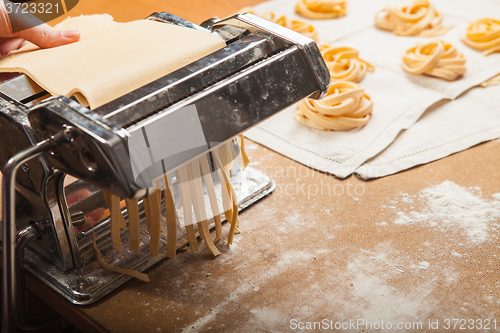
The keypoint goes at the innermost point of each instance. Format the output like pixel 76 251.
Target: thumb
pixel 44 36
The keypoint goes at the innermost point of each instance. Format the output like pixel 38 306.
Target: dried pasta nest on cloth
pixel 344 63
pixel 483 35
pixel 419 18
pixel 345 107
pixel 437 58
pixel 321 9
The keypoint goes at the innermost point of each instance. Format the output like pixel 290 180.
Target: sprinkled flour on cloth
pixel 449 203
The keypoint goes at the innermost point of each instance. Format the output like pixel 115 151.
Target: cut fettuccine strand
pixel 113 202
pixel 196 187
pixel 232 214
pixel 437 58
pixel 119 218
pixel 183 183
pixel 483 35
pixel 418 18
pixel 141 276
pixel 491 82
pixel 155 224
pixel 321 9
pixel 345 107
pixel 209 184
pixel 171 217
pixel 344 63
pixel 244 156
pixel 133 220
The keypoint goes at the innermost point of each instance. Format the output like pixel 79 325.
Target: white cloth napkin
pixel 444 129
pixel 399 98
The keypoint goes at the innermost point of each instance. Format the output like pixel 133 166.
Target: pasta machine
pixel 122 147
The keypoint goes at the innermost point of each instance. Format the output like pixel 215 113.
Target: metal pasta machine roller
pixel 263 69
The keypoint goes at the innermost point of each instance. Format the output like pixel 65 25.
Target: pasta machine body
pixel 122 147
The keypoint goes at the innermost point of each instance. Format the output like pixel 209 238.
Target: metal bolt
pixel 25 168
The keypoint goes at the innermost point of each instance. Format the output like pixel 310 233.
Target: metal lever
pixel 9 268
pixel 24 320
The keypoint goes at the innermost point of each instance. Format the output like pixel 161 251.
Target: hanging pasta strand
pixel 227 161
pixel 183 184
pixel 209 184
pixel 113 202
pixel 121 220
pixel 231 214
pixel 228 156
pixel 155 223
pixel 226 204
pixel 147 211
pixel 133 222
pixel 243 153
pixel 199 204
pixel 171 218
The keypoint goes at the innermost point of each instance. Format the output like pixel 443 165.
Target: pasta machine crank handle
pixel 10 264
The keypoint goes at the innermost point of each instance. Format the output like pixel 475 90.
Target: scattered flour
pixel 374 293
pixel 450 203
pixel 423 265
pixel 406 198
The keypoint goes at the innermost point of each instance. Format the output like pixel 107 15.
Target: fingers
pixel 44 36
pixel 10 44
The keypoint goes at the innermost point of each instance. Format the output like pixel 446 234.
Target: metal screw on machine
pixel 77 219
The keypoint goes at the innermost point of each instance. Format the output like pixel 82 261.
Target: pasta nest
pixel 295 25
pixel 321 9
pixel 419 18
pixel 344 63
pixel 345 107
pixel 483 35
pixel 438 59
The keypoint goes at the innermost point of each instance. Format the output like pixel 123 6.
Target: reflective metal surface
pixel 263 69
pixel 90 282
pixel 232 90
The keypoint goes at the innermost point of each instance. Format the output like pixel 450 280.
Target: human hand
pixel 17 29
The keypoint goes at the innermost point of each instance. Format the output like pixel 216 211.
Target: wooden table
pixel 318 248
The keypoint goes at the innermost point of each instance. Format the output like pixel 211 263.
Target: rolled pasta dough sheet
pixel 110 64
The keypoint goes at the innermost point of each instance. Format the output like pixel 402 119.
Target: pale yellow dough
pixel 114 60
